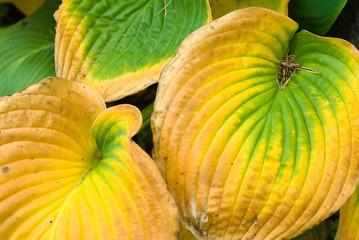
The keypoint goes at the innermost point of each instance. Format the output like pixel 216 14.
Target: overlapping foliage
pixel 316 16
pixel 121 47
pixel 69 169
pixel 27 49
pixel 349 219
pixel 255 125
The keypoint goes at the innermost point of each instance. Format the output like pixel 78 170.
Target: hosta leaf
pixel 61 180
pixel 316 16
pixel 246 156
pixel 27 49
pixel 120 47
pixel 349 219
pixel 222 7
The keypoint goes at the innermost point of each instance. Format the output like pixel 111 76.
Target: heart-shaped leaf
pixel 254 146
pixel 69 169
pixel 27 49
pixel 316 16
pixel 221 7
pixel 120 47
pixel 349 219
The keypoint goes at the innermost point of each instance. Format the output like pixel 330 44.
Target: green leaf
pixel 316 16
pixel 120 47
pixel 27 49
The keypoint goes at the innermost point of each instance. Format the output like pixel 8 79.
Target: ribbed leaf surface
pixel 222 7
pixel 349 219
pixel 120 47
pixel 27 49
pixel 316 16
pixel 60 181
pixel 242 156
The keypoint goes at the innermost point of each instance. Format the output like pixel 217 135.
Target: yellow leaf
pixel 349 219
pixel 222 7
pixel 69 169
pixel 256 127
pixel 25 6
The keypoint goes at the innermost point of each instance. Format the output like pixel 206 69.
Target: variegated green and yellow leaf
pixel 120 47
pixel 245 156
pixel 221 7
pixel 69 169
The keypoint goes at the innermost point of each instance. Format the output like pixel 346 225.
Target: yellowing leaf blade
pixel 248 151
pixel 120 48
pixel 60 180
pixel 221 7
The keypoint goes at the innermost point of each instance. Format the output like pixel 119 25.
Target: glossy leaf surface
pixel 69 169
pixel 244 158
pixel 316 16
pixel 120 47
pixel 27 49
pixel 221 7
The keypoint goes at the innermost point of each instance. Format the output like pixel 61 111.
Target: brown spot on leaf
pixel 46 80
pixel 5 169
